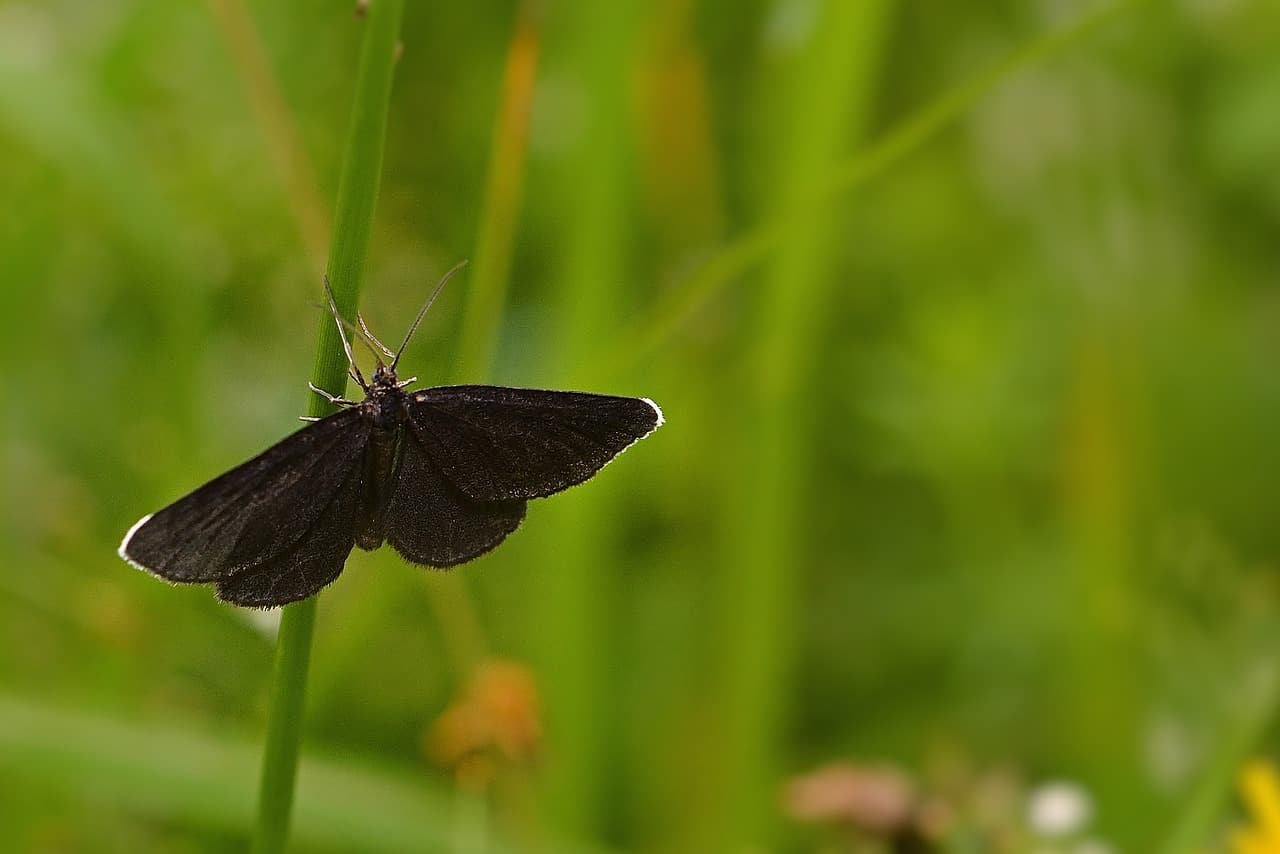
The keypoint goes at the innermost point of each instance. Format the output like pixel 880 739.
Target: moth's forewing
pixel 254 512
pixel 431 522
pixel 314 561
pixel 501 444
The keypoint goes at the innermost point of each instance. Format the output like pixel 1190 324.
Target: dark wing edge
pixel 456 403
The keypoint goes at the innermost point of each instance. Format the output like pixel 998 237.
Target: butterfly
pixel 442 474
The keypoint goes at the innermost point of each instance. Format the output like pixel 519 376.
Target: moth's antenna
pixel 342 333
pixel 414 328
pixel 373 345
pixel 386 351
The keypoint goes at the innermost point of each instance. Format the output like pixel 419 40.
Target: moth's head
pixel 384 375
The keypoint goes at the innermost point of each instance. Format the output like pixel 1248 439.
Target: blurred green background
pixel 961 533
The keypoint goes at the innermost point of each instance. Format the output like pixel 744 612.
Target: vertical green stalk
pixel 353 222
pixel 1254 713
pixel 284 726
pixel 574 533
pixel 1099 510
pixel 826 104
pixel 491 268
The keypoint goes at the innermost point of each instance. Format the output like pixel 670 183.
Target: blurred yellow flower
pixel 1260 789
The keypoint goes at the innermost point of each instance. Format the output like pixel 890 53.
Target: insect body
pixel 442 474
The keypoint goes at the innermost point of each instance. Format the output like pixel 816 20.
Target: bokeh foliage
pixel 970 459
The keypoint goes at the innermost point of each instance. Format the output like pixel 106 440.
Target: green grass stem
pixel 575 532
pixel 353 224
pixel 1253 713
pixel 491 265
pixel 765 557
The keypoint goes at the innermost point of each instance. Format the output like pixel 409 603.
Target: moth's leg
pixel 407 382
pixel 336 401
pixel 309 418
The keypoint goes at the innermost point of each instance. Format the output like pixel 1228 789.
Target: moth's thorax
pixel 384 403
pixel 384 406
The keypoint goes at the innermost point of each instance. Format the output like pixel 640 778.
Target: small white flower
pixel 1058 808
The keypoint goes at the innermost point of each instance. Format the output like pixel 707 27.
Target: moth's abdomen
pixel 380 471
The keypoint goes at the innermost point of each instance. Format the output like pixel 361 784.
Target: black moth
pixel 441 474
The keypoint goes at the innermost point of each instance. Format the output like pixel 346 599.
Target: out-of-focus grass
pixel 1018 526
pixel 810 202
pixel 757 599
pixel 177 776
pixel 586 300
pixel 491 269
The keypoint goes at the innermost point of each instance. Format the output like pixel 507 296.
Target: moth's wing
pixel 313 562
pixel 253 513
pixel 430 521
pixel 499 444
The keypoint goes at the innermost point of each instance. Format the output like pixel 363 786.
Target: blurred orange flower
pixel 496 717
